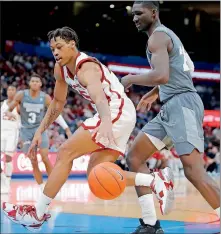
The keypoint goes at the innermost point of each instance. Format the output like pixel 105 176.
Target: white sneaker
pixel 162 185
pixel 25 215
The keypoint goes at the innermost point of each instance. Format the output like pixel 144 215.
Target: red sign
pixel 22 164
pixel 212 118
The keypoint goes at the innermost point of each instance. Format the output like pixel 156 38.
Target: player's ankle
pixel 43 205
pixel 143 179
pixel 148 209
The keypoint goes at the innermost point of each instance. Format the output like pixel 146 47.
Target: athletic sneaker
pixel 24 215
pixel 162 186
pixel 148 229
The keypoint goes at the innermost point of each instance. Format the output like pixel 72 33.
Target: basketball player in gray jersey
pixel 33 104
pixel 179 121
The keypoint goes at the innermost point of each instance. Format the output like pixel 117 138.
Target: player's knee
pixel 193 174
pixel 133 160
pixel 44 159
pixel 8 158
pixel 65 154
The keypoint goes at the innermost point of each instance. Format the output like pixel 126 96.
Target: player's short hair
pixel 153 4
pixel 36 75
pixel 66 33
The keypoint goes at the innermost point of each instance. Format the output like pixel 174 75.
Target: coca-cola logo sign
pixel 22 164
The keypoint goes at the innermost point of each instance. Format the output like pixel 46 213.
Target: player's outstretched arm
pixel 90 76
pixel 159 74
pixel 16 101
pixel 57 104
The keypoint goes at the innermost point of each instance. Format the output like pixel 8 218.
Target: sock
pixel 148 209
pixel 42 186
pixel 43 205
pixel 218 211
pixel 8 169
pixel 143 179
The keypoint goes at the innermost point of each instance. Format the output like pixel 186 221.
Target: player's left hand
pixel 36 142
pixel 126 82
pixel 68 132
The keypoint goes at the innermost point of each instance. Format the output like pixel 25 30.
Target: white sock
pixel 42 186
pixel 43 205
pixel 143 179
pixel 8 169
pixel 218 211
pixel 148 209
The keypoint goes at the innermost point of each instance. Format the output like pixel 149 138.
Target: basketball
pixel 107 181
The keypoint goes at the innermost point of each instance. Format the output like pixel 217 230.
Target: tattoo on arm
pixel 52 115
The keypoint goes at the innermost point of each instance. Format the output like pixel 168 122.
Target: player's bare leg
pixel 197 175
pixel 8 166
pixel 141 149
pixel 36 171
pixel 45 160
pixel 79 144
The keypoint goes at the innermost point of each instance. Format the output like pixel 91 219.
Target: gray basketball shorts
pixel 27 134
pixel 178 124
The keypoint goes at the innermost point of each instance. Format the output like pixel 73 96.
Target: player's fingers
pixel 34 152
pixel 148 106
pixel 139 105
pixel 30 149
pixel 38 143
pixel 112 139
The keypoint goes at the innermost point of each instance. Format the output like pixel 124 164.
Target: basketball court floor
pixel 76 210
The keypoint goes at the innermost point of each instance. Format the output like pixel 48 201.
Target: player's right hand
pixel 104 134
pixel 36 142
pixel 146 101
pixel 9 116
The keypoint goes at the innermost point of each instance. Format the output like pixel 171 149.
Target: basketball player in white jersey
pixel 9 138
pixel 105 135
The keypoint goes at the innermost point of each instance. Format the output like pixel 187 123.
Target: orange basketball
pixel 107 181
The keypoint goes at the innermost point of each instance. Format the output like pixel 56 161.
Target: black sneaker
pixel 148 229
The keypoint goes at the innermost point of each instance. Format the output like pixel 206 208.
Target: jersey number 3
pixel 32 118
pixel 185 59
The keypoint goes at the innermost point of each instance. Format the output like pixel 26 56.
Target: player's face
pixel 142 17
pixel 35 84
pixel 11 91
pixel 63 51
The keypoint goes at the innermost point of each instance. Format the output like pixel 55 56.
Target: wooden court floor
pixel 76 199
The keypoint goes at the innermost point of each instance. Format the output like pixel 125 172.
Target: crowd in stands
pixel 16 69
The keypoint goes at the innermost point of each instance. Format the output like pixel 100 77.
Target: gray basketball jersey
pixel 180 79
pixel 32 110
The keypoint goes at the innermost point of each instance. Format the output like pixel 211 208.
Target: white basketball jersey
pixel 113 89
pixel 5 122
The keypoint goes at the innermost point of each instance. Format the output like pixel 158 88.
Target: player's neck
pixel 72 63
pixel 34 93
pixel 153 27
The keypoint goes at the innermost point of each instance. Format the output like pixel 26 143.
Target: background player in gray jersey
pixel 33 104
pixel 180 118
